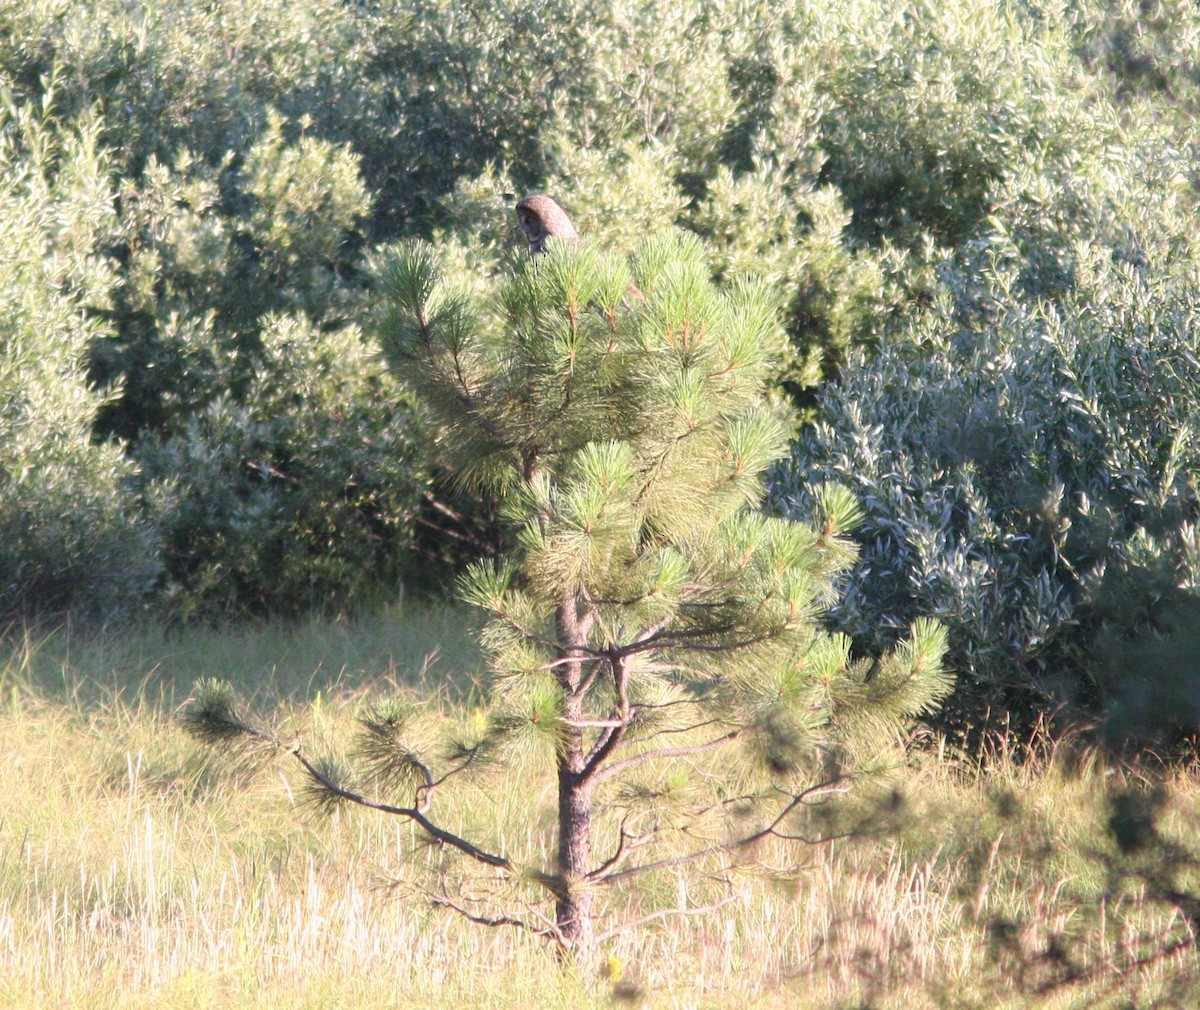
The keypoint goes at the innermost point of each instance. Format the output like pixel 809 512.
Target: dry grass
pixel 136 873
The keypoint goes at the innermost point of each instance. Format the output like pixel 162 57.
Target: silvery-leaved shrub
pixel 1029 481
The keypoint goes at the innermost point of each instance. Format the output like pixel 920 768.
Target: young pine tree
pixel 648 620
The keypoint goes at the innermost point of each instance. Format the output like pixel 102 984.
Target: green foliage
pixel 645 598
pixel 1030 482
pixel 213 715
pixel 293 467
pixel 292 473
pixel 847 156
pixel 933 105
pixel 206 254
pixel 646 611
pixel 299 494
pixel 858 157
pixel 72 538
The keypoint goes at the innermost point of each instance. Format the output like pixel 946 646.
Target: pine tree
pixel 648 616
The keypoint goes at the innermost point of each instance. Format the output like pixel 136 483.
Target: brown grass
pixel 136 873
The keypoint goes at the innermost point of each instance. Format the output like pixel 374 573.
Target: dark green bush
pixel 205 254
pixel 300 495
pixel 847 153
pixel 862 157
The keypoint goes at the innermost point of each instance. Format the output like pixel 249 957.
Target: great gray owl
pixel 542 218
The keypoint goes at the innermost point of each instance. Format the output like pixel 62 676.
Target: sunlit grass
pixel 137 870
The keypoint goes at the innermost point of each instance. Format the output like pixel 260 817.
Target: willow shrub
pixel 1030 481
pixel 299 494
pixel 847 152
pixel 72 537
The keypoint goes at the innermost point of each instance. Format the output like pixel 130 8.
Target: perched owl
pixel 542 218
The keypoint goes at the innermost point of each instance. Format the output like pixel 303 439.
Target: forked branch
pixel 665 913
pixel 771 830
pixel 625 764
pixel 442 901
pixel 437 833
pixel 626 843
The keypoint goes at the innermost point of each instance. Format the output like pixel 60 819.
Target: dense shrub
pixel 300 494
pixel 72 538
pixel 205 254
pixel 931 105
pixel 846 152
pixel 861 157
pixel 1030 482
pixel 1147 51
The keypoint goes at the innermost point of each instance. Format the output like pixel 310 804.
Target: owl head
pixel 542 218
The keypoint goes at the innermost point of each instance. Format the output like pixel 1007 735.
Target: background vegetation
pixel 979 216
pixel 938 192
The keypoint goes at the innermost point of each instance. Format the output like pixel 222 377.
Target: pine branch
pixel 443 901
pixel 609 740
pixel 636 760
pixel 550 643
pixel 439 834
pixel 671 731
pixel 655 629
pixel 543 928
pixel 212 716
pixel 388 761
pixel 592 723
pixel 748 841
pixel 626 843
pixel 685 639
pixel 469 756
pixel 475 413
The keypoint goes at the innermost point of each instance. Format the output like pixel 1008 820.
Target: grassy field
pixel 137 870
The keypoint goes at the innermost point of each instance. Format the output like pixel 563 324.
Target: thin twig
pixel 424 800
pixel 672 730
pixel 666 912
pixel 611 738
pixel 482 920
pixel 625 764
pixel 728 847
pixel 684 639
pixel 625 843
pixel 592 723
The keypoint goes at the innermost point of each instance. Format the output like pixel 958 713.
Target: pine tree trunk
pixel 574 911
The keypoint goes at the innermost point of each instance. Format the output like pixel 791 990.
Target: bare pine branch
pixel 483 920
pixel 729 848
pixel 663 753
pixel 666 913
